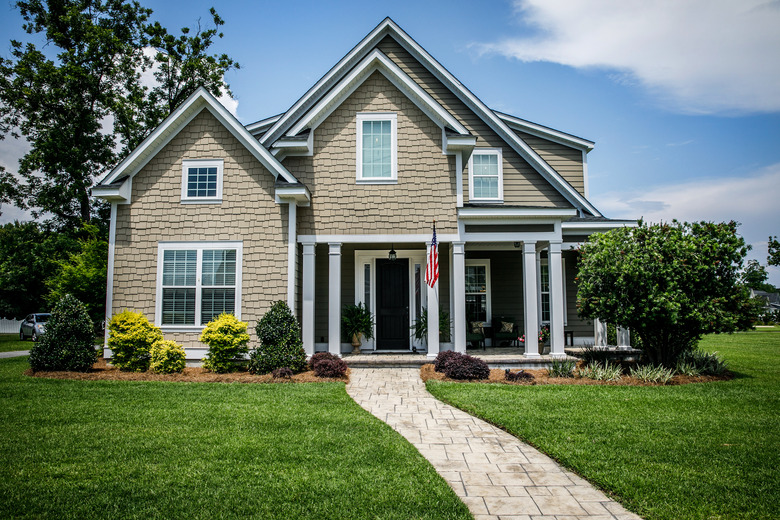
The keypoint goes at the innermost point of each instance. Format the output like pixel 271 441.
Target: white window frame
pixel 199 247
pixel 377 116
pixel 186 164
pixel 545 262
pixel 487 151
pixel 488 297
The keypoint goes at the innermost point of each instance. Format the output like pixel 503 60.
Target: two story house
pixel 334 201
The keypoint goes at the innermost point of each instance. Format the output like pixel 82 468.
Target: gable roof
pixel 168 129
pixel 287 123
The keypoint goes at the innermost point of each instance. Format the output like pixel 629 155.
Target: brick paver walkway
pixel 496 475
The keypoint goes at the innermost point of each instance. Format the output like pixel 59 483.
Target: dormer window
pixel 377 160
pixel 486 175
pixel 202 181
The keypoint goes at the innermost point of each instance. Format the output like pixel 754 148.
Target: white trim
pixel 292 256
pixel 485 262
pixel 370 256
pixel 186 164
pixel 585 183
pixel 375 239
pixel 459 180
pixel 487 151
pixel 334 298
pixel 458 296
pixel 199 247
pixel 597 226
pixel 263 123
pixel 363 117
pixel 546 132
pixel 530 308
pixel 307 306
pixel 515 213
pixel 110 270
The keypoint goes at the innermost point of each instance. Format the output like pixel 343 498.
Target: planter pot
pixel 356 343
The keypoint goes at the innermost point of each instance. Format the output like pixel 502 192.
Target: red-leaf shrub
pixel 517 376
pixel 330 368
pixel 321 356
pixel 444 357
pixel 466 367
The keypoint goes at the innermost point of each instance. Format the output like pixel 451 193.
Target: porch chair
pixel 475 334
pixel 504 329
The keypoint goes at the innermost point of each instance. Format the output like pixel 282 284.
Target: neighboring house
pixel 771 300
pixel 210 216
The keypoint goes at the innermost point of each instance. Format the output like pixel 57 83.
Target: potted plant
pixel 420 327
pixel 357 320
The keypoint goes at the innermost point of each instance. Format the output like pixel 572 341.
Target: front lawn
pixel 698 451
pixel 116 449
pixel 11 342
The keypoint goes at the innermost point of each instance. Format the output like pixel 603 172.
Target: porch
pixel 502 357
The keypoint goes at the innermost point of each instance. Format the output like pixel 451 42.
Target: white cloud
pixel 751 200
pixel 701 56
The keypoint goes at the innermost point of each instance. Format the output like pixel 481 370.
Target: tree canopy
pixel 670 283
pixel 774 251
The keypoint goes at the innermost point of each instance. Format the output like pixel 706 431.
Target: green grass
pixel 698 451
pixel 11 342
pixel 72 449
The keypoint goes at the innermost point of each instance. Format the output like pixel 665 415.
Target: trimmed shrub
pixel 561 368
pixel 599 372
pixel 280 342
pixel 227 339
pixel 282 373
pixel 166 357
pixel 130 338
pixel 652 374
pixel 466 367
pixel 444 357
pixel 687 369
pixel 706 363
pixel 68 343
pixel 320 356
pixel 520 375
pixel 330 368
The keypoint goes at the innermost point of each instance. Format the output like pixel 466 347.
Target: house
pixel 211 216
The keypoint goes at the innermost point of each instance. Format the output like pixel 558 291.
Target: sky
pixel 682 98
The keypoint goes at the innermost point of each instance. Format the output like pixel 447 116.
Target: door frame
pixel 415 257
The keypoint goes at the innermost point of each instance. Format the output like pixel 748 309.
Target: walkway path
pixel 497 476
pixel 14 353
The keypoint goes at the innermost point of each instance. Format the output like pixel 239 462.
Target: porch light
pixel 392 256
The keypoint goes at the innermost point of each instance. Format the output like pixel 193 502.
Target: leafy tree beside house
pixel 670 283
pixel 774 251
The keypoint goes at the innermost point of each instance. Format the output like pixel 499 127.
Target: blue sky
pixel 681 98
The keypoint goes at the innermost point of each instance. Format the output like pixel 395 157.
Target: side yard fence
pixel 9 326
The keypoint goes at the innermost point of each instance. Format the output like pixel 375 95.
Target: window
pixel 197 282
pixel 202 181
pixel 478 291
pixel 377 160
pixel 486 175
pixel 544 291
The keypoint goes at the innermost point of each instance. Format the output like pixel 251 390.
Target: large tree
pixel 774 251
pixel 80 101
pixel 670 283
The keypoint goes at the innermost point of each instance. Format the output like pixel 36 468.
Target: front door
pixel 392 304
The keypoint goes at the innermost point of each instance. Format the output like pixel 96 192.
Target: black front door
pixel 392 304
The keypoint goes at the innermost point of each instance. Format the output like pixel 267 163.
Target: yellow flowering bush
pixel 166 357
pixel 227 339
pixel 130 338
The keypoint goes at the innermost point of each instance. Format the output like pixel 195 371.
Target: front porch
pixel 501 357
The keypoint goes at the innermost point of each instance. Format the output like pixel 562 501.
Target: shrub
pixel 166 357
pixel 652 374
pixel 330 368
pixel 320 356
pixel 521 375
pixel 706 363
pixel 443 358
pixel 282 373
pixel 466 367
pixel 687 369
pixel 561 368
pixel 280 342
pixel 227 340
pixel 599 372
pixel 130 338
pixel 68 343
pixel 590 354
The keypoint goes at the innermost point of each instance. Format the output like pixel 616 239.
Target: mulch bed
pixel 101 371
pixel 541 377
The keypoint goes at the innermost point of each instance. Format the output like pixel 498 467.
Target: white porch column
pixel 531 318
pixel 623 338
pixel 334 298
pixel 459 295
pixel 557 339
pixel 292 257
pixel 599 333
pixel 307 323
pixel 433 314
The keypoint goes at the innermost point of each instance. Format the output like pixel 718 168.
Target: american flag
pixel 432 270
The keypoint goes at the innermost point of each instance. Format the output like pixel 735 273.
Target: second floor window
pixel 202 181
pixel 486 176
pixel 376 147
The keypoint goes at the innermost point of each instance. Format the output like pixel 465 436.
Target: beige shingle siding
pixel 426 178
pixel 247 213
pixel 522 184
pixel 565 160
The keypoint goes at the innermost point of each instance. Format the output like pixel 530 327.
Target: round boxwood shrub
pixel 467 367
pixel 444 357
pixel 167 357
pixel 130 338
pixel 69 343
pixel 280 342
pixel 227 339
pixel 330 368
